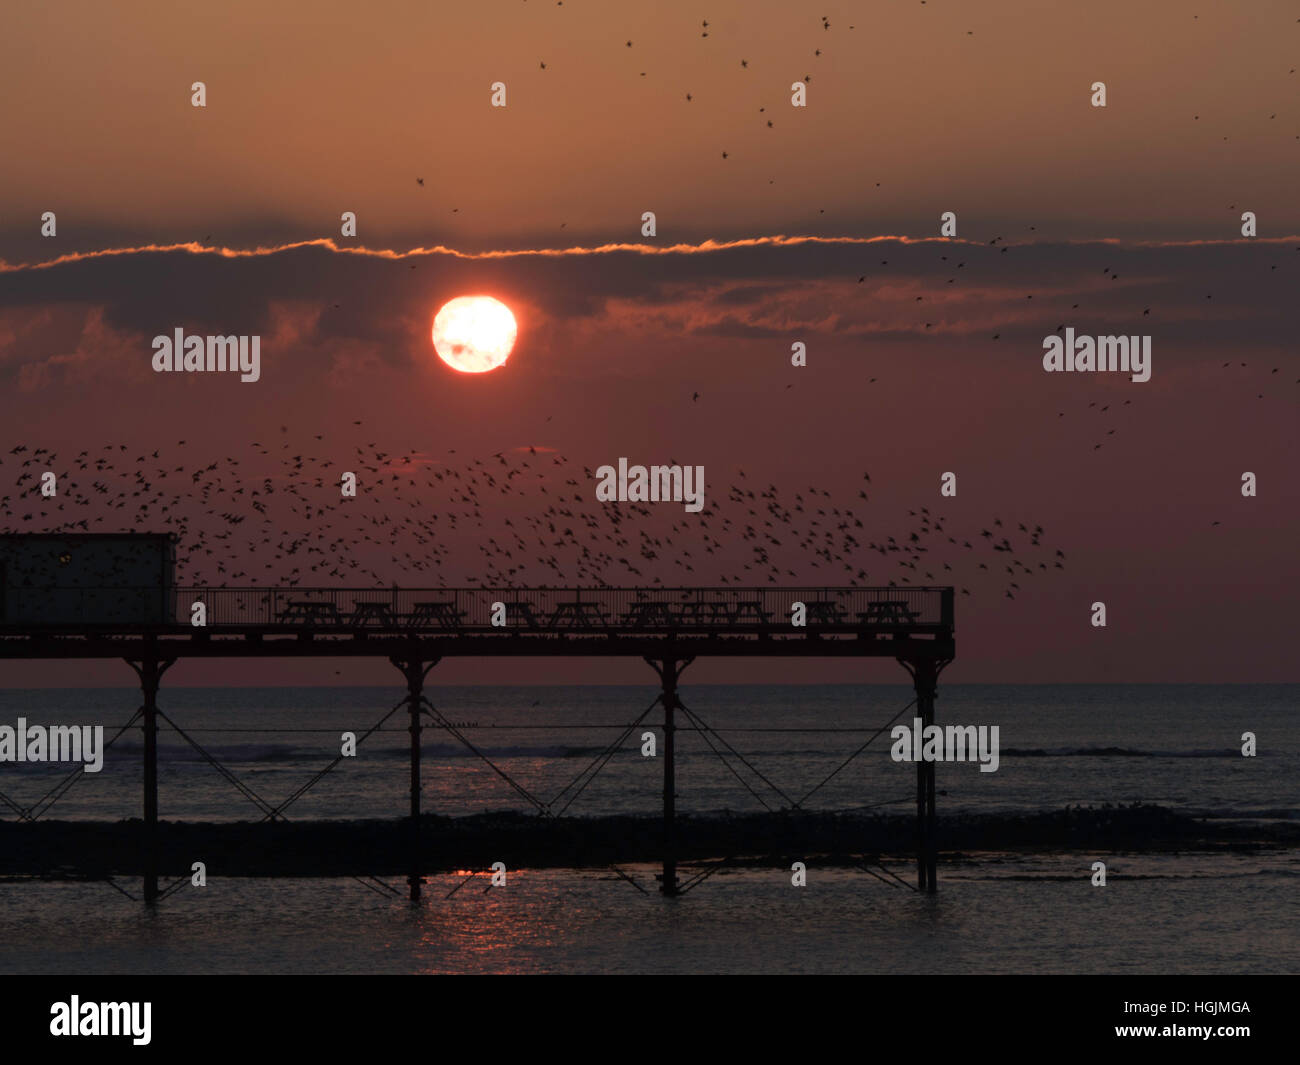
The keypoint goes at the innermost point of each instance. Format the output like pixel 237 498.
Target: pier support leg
pixel 925 680
pixel 150 671
pixel 669 669
pixel 414 670
pixel 670 779
pixel 927 853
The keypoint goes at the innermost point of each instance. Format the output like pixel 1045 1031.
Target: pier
pixel 415 629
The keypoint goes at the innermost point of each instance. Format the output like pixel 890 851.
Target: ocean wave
pixel 381 847
pixel 456 750
pixel 246 753
pixel 1113 752
pixel 1267 813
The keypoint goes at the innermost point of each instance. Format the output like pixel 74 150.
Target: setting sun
pixel 474 334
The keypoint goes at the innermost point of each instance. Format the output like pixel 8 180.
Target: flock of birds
pixel 742 64
pixel 527 517
pixel 1109 427
pixel 1261 382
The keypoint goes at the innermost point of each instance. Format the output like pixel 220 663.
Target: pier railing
pixel 485 610
pixel 415 628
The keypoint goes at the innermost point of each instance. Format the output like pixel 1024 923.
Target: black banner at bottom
pixel 234 1014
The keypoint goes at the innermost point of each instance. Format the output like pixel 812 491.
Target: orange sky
pixel 924 355
pixel 980 109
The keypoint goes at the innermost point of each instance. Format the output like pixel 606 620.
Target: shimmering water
pixel 1178 915
pixel 1177 746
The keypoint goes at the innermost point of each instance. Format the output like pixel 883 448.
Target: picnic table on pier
pixel 749 610
pixel 522 608
pixel 578 615
pixel 888 612
pixel 308 612
pixel 703 611
pixel 365 612
pixel 441 612
pixel 647 614
pixel 827 611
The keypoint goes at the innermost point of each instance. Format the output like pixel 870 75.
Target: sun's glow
pixel 474 334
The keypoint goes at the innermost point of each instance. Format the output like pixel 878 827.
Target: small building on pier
pixel 67 580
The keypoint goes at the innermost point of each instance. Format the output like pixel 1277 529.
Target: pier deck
pixel 416 628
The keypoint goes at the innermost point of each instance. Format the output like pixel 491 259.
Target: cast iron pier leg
pixel 150 671
pixel 925 680
pixel 669 669
pixel 414 670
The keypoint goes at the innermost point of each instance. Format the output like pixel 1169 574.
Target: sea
pixel 740 748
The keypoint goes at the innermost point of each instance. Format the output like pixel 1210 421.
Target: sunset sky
pixel 924 353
